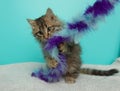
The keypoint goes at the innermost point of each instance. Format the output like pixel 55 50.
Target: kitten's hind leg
pixel 73 64
pixel 72 72
pixel 70 79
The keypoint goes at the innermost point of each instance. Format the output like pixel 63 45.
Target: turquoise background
pixel 18 45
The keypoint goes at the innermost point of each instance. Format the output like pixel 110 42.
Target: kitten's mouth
pixel 46 38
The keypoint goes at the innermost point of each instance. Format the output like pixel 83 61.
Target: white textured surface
pixel 16 77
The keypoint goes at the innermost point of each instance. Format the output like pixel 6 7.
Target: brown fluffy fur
pixel 43 28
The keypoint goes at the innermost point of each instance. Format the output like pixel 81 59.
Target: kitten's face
pixel 45 26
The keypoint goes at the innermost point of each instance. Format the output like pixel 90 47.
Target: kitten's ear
pixel 30 21
pixel 49 12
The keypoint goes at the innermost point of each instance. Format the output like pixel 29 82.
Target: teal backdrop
pixel 17 44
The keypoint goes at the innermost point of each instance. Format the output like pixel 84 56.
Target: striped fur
pixel 98 72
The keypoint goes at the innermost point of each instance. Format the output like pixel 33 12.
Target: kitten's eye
pixel 40 32
pixel 49 29
pixel 57 28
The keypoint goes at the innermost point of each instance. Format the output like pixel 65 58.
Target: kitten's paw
pixel 52 64
pixel 62 48
pixel 70 80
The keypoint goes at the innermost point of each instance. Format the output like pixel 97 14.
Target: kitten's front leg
pixel 62 48
pixel 51 62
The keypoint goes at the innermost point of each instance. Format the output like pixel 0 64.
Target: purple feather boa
pixel 52 74
pixel 81 26
pixel 99 9
pixel 55 41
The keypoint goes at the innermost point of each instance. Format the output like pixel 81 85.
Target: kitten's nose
pixel 46 36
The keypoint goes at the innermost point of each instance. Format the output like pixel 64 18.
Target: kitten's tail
pixel 98 72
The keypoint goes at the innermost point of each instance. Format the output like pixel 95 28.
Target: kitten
pixel 43 28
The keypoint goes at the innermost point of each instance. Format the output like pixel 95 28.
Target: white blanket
pixel 17 77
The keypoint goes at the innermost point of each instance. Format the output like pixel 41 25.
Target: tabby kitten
pixel 43 28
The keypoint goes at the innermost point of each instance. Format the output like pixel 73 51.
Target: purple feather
pixel 101 7
pixel 80 26
pixel 55 41
pixel 52 74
